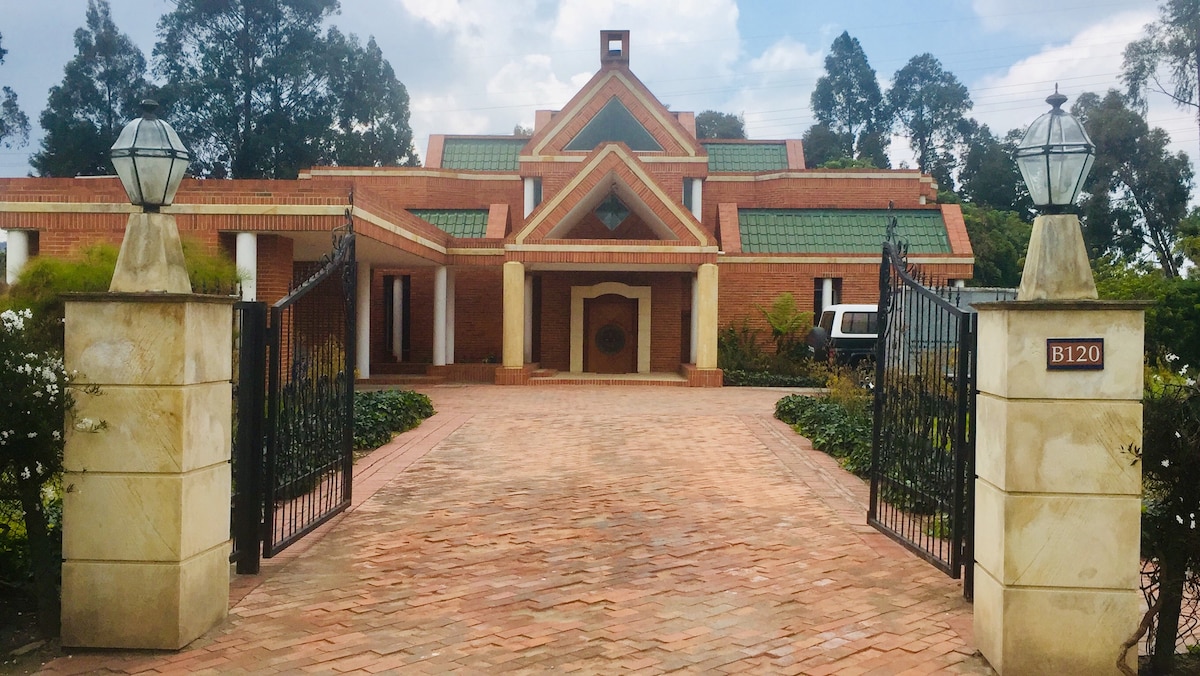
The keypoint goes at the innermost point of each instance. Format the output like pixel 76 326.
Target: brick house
pixel 612 241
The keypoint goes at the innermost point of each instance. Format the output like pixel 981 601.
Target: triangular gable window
pixel 614 123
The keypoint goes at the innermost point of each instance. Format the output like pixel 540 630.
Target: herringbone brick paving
pixel 590 530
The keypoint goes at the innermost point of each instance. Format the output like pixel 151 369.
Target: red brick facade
pixel 561 244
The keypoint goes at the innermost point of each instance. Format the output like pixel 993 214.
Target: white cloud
pixel 1050 18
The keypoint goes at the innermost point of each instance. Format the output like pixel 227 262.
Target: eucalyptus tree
pixel 930 104
pixel 1137 191
pixel 14 124
pixel 1166 59
pixel 848 101
pixel 100 91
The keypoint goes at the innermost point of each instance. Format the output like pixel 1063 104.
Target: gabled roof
pixel 766 156
pixel 614 82
pixel 614 169
pixel 481 153
pixel 837 231
pixel 466 223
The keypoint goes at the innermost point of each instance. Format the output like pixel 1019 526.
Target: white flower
pixel 32 435
pixel 1171 358
pixel 1166 463
pixel 56 435
pixel 25 473
pixel 1179 519
pixel 1178 435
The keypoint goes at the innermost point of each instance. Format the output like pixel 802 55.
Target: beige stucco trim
pixel 69 208
pixel 422 173
pixel 684 216
pixel 581 293
pixel 812 175
pixel 849 260
pixel 590 248
pixel 552 158
pixel 459 251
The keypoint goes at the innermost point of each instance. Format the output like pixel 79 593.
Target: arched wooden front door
pixel 611 334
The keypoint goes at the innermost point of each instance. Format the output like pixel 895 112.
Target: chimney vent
pixel 614 48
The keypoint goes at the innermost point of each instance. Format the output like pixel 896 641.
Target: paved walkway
pixel 589 530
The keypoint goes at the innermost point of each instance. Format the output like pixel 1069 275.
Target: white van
pixel 846 333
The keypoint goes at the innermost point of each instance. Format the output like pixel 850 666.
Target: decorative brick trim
pixel 795 153
pixel 506 375
pixel 956 230
pixel 702 377
pixel 433 152
pixel 497 222
pixel 729 229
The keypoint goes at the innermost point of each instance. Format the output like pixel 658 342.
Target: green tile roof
pixel 839 231
pixel 746 156
pixel 614 123
pixel 467 223
pixel 485 154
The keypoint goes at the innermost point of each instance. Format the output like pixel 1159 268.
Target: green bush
pixel 735 378
pixel 833 428
pixel 378 416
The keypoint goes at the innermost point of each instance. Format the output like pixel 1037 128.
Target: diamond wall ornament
pixel 612 212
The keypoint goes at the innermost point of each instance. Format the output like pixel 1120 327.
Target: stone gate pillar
pixel 1058 492
pixel 146 500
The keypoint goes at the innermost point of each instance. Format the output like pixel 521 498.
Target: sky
pixel 483 66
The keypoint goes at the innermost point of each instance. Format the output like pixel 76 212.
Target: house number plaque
pixel 1075 354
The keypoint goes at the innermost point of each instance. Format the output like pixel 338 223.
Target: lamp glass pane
pixel 153 173
pixel 175 177
pixel 1033 170
pixel 124 167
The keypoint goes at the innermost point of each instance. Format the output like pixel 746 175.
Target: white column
pixel 362 329
pixel 960 283
pixel 706 311
pixel 529 205
pixel 826 293
pixel 695 318
pixel 449 316
pixel 247 264
pixel 398 318
pixel 18 254
pixel 439 316
pixel 697 195
pixel 528 319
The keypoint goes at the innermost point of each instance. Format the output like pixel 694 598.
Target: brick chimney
pixel 614 48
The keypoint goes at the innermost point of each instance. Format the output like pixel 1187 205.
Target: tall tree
pixel 823 145
pixel 989 177
pixel 99 93
pixel 713 124
pixel 14 124
pixel 1138 190
pixel 847 99
pixel 999 240
pixel 1171 44
pixel 249 80
pixel 930 104
pixel 371 123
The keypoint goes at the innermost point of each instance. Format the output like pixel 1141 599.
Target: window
pixel 860 323
pixel 687 193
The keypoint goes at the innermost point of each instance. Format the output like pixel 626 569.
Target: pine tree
pixel 848 101
pixel 100 91
pixel 14 125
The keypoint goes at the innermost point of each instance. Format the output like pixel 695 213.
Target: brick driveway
pixel 589 530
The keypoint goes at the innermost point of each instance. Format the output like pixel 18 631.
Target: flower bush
pixel 38 397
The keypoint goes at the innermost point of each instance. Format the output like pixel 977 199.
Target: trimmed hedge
pixel 736 378
pixel 833 429
pixel 380 415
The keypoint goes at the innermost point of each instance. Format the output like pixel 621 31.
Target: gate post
pixel 146 503
pixel 1058 491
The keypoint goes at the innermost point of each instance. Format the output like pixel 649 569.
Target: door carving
pixel 611 334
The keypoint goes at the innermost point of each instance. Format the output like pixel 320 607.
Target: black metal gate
pixel 923 445
pixel 293 455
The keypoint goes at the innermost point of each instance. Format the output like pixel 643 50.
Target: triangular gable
pixel 597 95
pixel 614 124
pixel 614 169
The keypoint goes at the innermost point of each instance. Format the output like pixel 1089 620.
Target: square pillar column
pixel 450 316
pixel 1057 490
pixel 146 511
pixel 397 345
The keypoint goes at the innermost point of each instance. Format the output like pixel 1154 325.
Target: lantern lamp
pixel 150 159
pixel 1054 157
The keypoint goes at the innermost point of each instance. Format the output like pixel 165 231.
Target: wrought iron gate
pixel 293 457
pixel 923 445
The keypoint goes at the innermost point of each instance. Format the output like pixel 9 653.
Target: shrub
pixel 844 433
pixel 378 416
pixel 735 378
